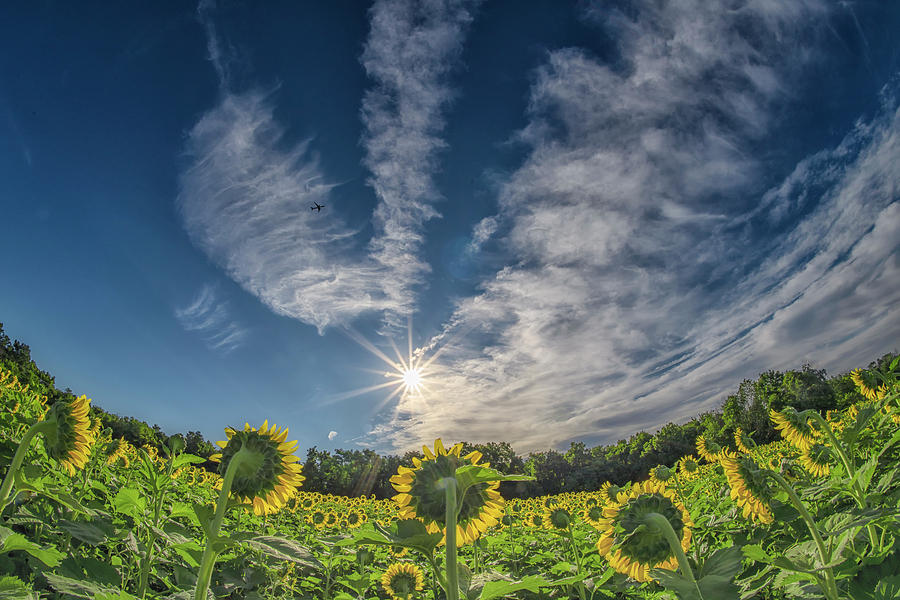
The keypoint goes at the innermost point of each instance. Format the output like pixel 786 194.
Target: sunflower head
pixel 749 487
pixel 609 492
pixel 688 468
pixel 866 386
pixel 269 475
pixel 533 519
pixel 592 514
pixel 355 518
pixel 794 427
pixel 817 459
pixel 662 474
pixel 421 493
pixel 556 518
pixel 627 540
pixel 742 441
pixel 402 580
pixel 708 449
pixel 69 443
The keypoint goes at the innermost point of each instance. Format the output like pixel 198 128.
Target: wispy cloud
pixel 411 49
pixel 245 199
pixel 209 316
pixel 640 287
pixel 332 435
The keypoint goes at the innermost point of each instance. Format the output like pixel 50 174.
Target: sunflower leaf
pixel 496 589
pixel 183 459
pixel 13 588
pixel 683 587
pixel 129 501
pixel 9 541
pixel 470 475
pixel 408 533
pixel 724 562
pixel 280 549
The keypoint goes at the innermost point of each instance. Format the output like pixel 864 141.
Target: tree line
pixel 580 468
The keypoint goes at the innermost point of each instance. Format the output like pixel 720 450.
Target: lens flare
pixel 412 380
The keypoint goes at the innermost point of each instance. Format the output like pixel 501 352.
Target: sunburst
pixel 411 374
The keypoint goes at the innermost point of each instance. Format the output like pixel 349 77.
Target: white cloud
pixel 332 435
pixel 245 199
pixel 411 49
pixel 643 284
pixel 210 317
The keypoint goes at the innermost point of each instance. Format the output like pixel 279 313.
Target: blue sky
pixel 586 218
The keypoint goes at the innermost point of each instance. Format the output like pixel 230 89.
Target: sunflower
pixel 316 518
pixel 533 519
pixel 307 501
pixel 662 474
pixel 399 551
pixel 708 450
pixel 556 518
pixel 630 546
pixel 402 580
pixel 118 450
pixel 742 441
pixel 609 493
pixel 749 487
pixel 869 391
pixel 688 467
pixel 817 459
pixel 69 443
pixel 270 475
pixel 420 495
pixel 592 514
pixel 355 518
pixel 331 519
pixel 794 428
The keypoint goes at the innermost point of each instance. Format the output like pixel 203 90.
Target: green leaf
pixel 13 588
pixel 756 553
pixel 280 549
pixel 129 501
pixel 205 514
pixel 470 475
pixel 183 459
pixel 74 587
pixel 495 589
pixel 683 587
pixel 409 533
pixel 116 595
pixel 191 552
pixel 358 582
pixel 85 568
pixel 463 578
pixel 10 541
pixel 90 533
pixel 877 582
pixel 724 563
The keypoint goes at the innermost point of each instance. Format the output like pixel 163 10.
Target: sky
pixel 576 220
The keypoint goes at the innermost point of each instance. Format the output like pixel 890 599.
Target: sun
pixel 411 375
pixel 412 379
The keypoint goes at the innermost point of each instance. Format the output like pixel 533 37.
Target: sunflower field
pixel 82 515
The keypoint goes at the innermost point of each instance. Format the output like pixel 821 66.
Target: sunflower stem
pixel 830 587
pixel 210 553
pixel 580 587
pixel 19 457
pixel 658 521
pixel 860 496
pixel 452 588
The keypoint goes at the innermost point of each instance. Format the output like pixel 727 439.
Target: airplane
pixel 317 207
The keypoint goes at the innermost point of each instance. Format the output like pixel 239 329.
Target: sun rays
pixel 411 375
